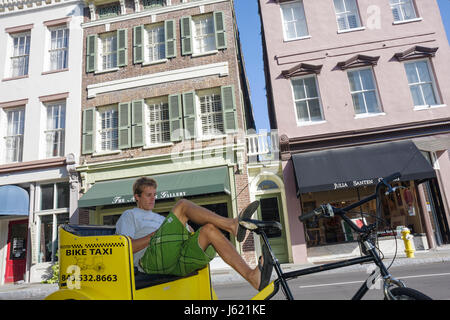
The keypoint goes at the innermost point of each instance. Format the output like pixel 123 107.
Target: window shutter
pixel 138 52
pixel 175 118
pixel 88 136
pixel 137 120
pixel 189 113
pixel 91 53
pixel 124 126
pixel 122 47
pixel 229 109
pixel 219 27
pixel 186 36
pixel 169 29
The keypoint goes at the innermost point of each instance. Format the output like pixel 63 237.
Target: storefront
pixel 346 175
pixel 14 233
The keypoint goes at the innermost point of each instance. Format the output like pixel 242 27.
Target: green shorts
pixel 174 250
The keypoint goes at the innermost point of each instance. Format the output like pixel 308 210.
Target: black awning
pixel 359 166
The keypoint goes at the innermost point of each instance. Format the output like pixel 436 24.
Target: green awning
pixel 170 185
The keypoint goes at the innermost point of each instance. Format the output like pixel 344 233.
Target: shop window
pixel 218 208
pixel 48 239
pixel 54 196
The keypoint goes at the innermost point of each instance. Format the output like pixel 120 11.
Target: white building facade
pixel 40 116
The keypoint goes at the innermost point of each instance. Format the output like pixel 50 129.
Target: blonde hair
pixel 143 182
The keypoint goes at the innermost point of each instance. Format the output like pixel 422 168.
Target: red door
pixel 16 258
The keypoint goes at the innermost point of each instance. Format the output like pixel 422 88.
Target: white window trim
pixel 9 65
pixel 146 60
pixel 307 123
pixel 285 39
pixel 408 21
pixel 361 27
pixel 146 129
pixel 99 69
pixel 5 132
pixel 417 18
pixel 377 95
pixel 199 126
pixel 47 56
pixel 98 138
pixel 434 85
pixel 195 52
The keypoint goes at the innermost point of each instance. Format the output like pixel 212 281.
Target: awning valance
pixel 14 201
pixel 359 166
pixel 170 185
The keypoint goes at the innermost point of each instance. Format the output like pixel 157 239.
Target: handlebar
pixel 329 211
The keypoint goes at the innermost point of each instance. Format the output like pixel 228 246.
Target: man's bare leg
pixel 186 210
pixel 211 235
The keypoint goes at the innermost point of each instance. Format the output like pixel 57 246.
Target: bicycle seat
pixel 258 226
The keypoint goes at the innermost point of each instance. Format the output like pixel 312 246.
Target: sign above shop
pixel 360 166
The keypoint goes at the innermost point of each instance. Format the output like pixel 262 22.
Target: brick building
pixel 164 94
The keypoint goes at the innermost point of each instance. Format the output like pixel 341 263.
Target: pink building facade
pixel 357 90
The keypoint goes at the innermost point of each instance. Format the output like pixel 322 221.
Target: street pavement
pixel 221 274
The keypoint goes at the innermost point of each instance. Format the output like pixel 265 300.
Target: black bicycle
pixel 393 288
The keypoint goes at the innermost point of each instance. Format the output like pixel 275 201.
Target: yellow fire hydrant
pixel 407 237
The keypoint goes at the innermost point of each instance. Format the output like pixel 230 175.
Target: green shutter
pixel 91 53
pixel 189 113
pixel 124 126
pixel 175 117
pixel 171 41
pixel 219 28
pixel 186 36
pixel 138 48
pixel 229 109
pixel 122 47
pixel 137 123
pixel 88 136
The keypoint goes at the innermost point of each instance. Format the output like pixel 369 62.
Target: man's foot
pixel 245 214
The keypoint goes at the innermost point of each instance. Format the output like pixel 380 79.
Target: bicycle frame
pixel 371 257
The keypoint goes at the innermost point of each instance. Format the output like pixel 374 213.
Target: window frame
pixel 346 15
pixel 26 55
pixel 161 101
pixel 50 50
pixel 62 106
pixel 363 90
pixel 101 51
pixel 316 82
pixel 98 132
pixel 146 39
pixel 302 6
pixel 400 7
pixel 21 135
pixel 433 84
pixel 194 20
pixel 210 92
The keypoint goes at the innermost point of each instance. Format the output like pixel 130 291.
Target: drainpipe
pixel 426 217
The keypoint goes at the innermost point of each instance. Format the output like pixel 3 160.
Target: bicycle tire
pixel 408 294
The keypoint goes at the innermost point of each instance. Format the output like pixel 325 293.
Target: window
pixel 294 21
pixel 108 11
pixel 108 118
pixel 155 43
pixel 307 100
pixel 55 133
pixel 403 10
pixel 151 4
pixel 364 93
pixel 211 114
pixel 347 14
pixel 421 83
pixel 158 124
pixel 59 48
pixel 54 196
pixel 203 34
pixel 48 239
pixel 108 51
pixel 14 135
pixel 20 54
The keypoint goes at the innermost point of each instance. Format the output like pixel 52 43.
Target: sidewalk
pixel 222 274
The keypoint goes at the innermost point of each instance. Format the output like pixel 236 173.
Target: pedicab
pixel 97 264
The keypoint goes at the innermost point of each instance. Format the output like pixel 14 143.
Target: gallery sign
pixel 159 195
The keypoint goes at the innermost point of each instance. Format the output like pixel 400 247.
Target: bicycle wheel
pixel 408 294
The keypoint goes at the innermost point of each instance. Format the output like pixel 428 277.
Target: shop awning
pixel 359 166
pixel 14 201
pixel 170 185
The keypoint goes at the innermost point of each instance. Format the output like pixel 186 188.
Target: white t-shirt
pixel 137 223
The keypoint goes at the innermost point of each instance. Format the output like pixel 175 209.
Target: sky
pixel 250 33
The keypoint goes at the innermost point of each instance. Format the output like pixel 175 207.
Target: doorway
pixel 16 255
pixel 269 210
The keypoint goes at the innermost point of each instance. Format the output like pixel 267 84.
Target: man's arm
pixel 141 243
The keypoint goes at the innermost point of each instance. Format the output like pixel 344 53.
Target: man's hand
pixel 141 243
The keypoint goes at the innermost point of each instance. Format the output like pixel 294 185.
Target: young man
pixel 165 246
